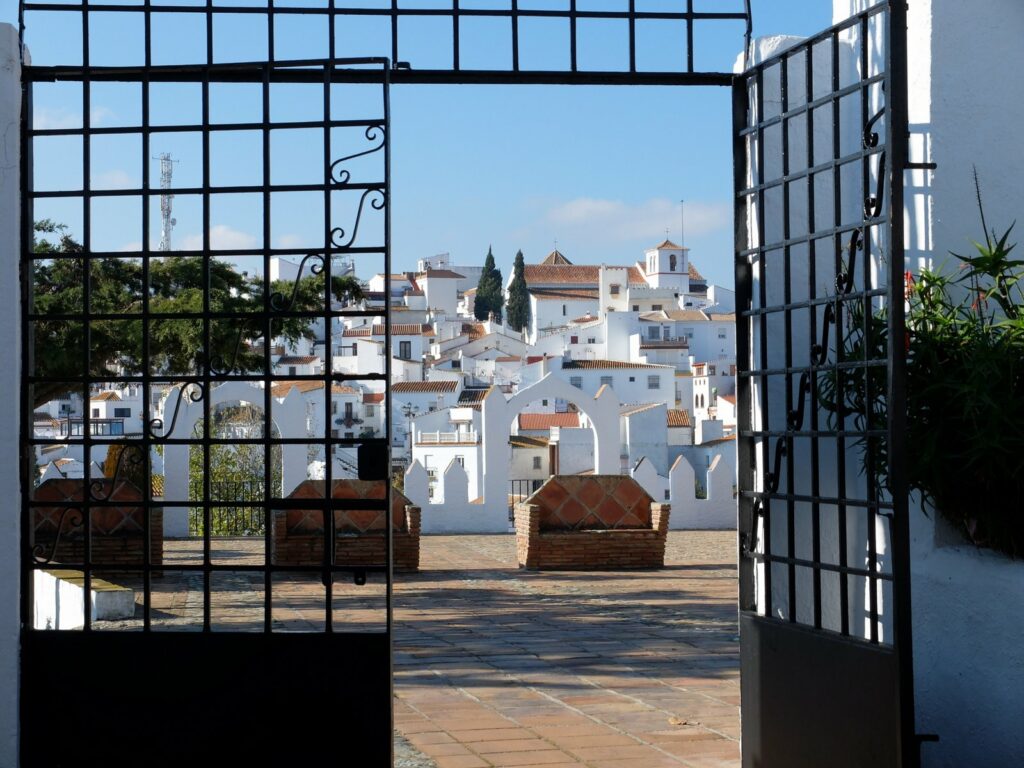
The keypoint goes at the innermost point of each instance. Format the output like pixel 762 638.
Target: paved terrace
pixel 500 667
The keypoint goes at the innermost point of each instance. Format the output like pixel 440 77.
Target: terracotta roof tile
pixel 373 397
pixel 560 294
pixel 298 360
pixel 282 388
pixel 474 395
pixel 669 244
pixel 572 274
pixel 576 365
pixel 525 441
pixel 678 418
pixel 441 273
pixel 397 329
pixel 548 420
pixel 424 386
pixel 106 396
pixel 556 258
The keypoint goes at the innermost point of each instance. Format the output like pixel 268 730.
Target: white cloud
pixel 291 241
pixel 222 237
pixel 134 246
pixel 44 118
pixel 587 220
pixel 115 179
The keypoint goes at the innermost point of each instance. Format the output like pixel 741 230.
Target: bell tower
pixel 667 266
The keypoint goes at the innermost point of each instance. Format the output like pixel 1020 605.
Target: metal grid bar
pixel 467 41
pixel 812 423
pixel 215 363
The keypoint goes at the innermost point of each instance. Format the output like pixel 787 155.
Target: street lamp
pixel 410 411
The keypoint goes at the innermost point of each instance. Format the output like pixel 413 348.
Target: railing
pixel 228 520
pixel 518 490
pixel 447 438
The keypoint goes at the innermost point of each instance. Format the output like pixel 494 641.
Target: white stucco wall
pixel 10 314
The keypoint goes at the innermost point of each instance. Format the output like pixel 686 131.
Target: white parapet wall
pixel 715 512
pixel 10 317
pixel 58 600
pixel 451 510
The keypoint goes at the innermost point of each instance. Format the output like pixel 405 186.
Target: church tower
pixel 668 266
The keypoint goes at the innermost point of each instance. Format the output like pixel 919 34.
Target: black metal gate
pixel 220 650
pixel 820 142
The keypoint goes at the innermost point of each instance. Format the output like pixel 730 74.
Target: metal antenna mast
pixel 167 222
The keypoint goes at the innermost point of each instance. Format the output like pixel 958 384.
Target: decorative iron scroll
pixel 342 176
pixel 76 519
pixel 196 392
pixel 277 303
pixel 338 239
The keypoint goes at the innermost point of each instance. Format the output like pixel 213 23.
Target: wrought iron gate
pixel 820 141
pixel 234 650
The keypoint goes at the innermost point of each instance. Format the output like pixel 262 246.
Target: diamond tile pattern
pixel 592 502
pixel 105 521
pixel 300 521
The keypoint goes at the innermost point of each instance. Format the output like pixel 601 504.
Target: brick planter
pixel 117 533
pixel 298 534
pixel 597 522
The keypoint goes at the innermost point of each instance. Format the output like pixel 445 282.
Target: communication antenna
pixel 167 221
pixel 682 224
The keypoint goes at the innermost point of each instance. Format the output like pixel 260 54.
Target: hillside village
pixel 647 349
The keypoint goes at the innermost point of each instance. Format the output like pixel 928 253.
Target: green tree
pixel 177 286
pixel 489 297
pixel 518 309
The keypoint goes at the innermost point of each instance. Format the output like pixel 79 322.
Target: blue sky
pixel 599 170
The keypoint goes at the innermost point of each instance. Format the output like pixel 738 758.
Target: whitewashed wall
pixel 10 319
pixel 452 512
pixel 716 512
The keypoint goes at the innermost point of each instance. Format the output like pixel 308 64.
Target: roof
pixel 678 418
pixel 508 359
pixel 572 274
pixel 556 258
pixel 694 274
pixel 548 420
pixel 106 396
pixel 655 344
pixel 560 294
pixel 476 395
pixel 669 244
pixel 474 330
pixel 525 441
pixel 717 441
pixel 424 386
pixel 723 316
pixel 298 360
pixel 587 318
pixel 282 388
pixel 446 273
pixel 373 397
pixel 731 399
pixel 397 329
pixel 682 315
pixel 469 291
pixel 570 365
pixel 629 410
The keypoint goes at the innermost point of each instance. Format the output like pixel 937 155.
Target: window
pixel 606 381
pixel 672 262
pixel 688 332
pixel 536 462
pixel 654 382
pixel 405 350
pixel 591 340
pixel 668 494
pixel 563 310
pixel 292 370
pixel 722 333
pixel 355 347
pixel 636 307
pixel 574 339
pixel 544 403
pixel 656 307
pixel 334 407
pixel 122 413
pixel 576 381
pixel 349 435
pixel 615 289
pixel 457 364
pixel 334 434
pixel 461 460
pixel 95 413
pixel 368 410
pixel 632 378
pixel 348 410
pixel 653 332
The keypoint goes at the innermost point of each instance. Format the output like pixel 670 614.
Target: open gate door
pixel 232 618
pixel 820 137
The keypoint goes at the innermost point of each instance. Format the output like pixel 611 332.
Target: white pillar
pixel 10 416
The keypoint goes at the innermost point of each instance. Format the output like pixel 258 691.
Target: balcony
pixel 461 437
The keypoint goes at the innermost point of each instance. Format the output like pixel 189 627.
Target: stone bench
pixel 360 535
pixel 591 522
pixel 58 600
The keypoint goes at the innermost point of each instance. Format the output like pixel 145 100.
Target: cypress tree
pixel 488 291
pixel 518 300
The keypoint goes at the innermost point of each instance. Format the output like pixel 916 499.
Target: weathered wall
pixel 10 318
